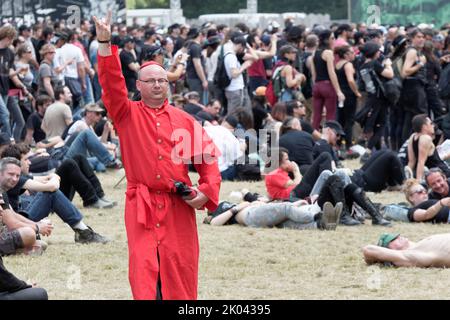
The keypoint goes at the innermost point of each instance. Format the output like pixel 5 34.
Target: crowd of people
pixel 309 94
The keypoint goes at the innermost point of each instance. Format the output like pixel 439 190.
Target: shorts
pixel 10 242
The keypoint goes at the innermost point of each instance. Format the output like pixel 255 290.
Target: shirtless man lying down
pixel 433 251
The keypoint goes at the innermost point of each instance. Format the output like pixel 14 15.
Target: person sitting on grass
pixel 76 175
pixel 12 288
pixel 19 234
pixel 45 198
pixel 85 143
pixel 399 251
pixel 297 215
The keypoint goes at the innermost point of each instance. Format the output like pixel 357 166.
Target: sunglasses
pixel 421 191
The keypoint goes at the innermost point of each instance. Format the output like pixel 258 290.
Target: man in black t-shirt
pixel 34 121
pixel 300 146
pixel 195 68
pixel 429 211
pixel 130 66
pixel 331 133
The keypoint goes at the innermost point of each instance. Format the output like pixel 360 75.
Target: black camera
pixel 184 190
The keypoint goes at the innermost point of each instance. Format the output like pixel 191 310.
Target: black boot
pixel 336 189
pixel 364 202
pixel 346 217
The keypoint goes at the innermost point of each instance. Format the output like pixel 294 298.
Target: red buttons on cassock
pixel 158 176
pixel 159 141
pixel 157 225
pixel 160 157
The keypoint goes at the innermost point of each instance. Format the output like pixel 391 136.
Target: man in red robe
pixel 156 141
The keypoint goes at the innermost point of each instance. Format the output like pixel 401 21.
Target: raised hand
pixel 103 27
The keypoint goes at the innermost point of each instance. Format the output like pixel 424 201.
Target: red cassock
pixel 161 227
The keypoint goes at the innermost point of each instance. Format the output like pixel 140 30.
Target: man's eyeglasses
pixel 152 81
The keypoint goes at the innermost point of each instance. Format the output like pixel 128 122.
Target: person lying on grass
pixel 399 251
pixel 296 215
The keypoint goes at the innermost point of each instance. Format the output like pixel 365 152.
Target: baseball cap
pixel 127 39
pixel 386 238
pixel 149 51
pixel 260 91
pixel 93 107
pixel 4 139
pixel 439 38
pixel 265 39
pixel 336 126
pixel 370 48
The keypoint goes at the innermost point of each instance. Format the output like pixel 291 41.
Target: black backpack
pixel 307 88
pixel 444 83
pixel 221 79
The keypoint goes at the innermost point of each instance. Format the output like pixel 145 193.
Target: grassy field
pixel 237 262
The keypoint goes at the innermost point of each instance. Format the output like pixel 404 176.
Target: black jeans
pixel 413 101
pixel 25 294
pixel 346 117
pixel 383 168
pixel 376 121
pixel 322 162
pixel 77 175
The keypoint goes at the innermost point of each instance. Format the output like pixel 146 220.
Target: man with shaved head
pixel 158 142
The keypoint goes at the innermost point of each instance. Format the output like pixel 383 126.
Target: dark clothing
pixel 300 146
pixel 304 188
pixel 375 121
pixel 343 82
pixel 260 114
pixel 195 51
pixel 77 176
pixel 440 217
pixel 130 76
pixel 25 294
pixel 322 146
pixel 383 168
pixel 34 122
pixel 192 108
pixel 14 193
pixel 346 114
pixel 321 67
pixel 6 63
pixel 413 99
pixel 346 117
pixel 376 66
pixel 433 161
pixel 306 126
pixel 8 282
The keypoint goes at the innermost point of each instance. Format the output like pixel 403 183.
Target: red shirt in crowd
pixel 275 185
